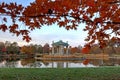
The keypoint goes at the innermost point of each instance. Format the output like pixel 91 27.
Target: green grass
pixel 101 73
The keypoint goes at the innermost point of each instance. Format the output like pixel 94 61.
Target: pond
pixel 32 63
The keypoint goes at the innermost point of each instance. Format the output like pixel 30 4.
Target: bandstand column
pixel 53 46
pixel 67 50
pixel 53 50
pixel 61 49
pixel 57 50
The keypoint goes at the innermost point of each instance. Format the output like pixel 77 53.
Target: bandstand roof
pixel 60 43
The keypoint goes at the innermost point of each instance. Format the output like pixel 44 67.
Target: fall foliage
pixel 85 50
pixel 102 18
pixel 74 50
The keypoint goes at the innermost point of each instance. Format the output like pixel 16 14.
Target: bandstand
pixel 60 48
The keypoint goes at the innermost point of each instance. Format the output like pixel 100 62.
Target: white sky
pixel 47 34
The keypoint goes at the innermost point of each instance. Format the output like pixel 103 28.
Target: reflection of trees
pixel 36 64
pixel 30 62
pixel 103 62
pixel 11 64
pixel 2 63
pixel 86 61
pixel 27 61
pixel 115 61
pixel 95 62
pixel 45 63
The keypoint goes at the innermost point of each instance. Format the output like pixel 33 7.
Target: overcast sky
pixel 46 34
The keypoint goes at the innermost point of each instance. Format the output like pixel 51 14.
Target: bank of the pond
pixel 101 73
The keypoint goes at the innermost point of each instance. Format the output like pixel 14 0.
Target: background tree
pixel 7 43
pixel 79 48
pixel 95 49
pixel 13 48
pixel 24 49
pixel 111 49
pixel 46 48
pixel 74 50
pixel 100 16
pixel 39 49
pixel 1 47
pixel 30 49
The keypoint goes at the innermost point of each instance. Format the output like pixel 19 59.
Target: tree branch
pixel 114 2
pixel 43 15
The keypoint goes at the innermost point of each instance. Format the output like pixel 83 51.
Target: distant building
pixel 60 47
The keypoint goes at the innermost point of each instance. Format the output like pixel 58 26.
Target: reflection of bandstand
pixel 60 48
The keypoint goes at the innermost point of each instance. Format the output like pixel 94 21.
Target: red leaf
pixel 61 24
pixel 91 3
pixel 114 39
pixel 5 19
pixel 13 28
pixel 67 27
pixel 17 33
pixel 27 38
pixel 24 32
pixel 85 17
pixel 3 27
pixel 2 10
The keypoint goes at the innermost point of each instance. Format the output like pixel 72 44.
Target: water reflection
pixel 32 63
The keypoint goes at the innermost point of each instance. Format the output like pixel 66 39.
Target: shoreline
pixel 71 57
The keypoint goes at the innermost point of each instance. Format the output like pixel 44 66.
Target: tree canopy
pixel 101 17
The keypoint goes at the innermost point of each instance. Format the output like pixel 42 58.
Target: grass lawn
pixel 101 73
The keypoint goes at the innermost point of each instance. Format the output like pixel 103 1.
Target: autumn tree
pixel 111 48
pixel 75 50
pixel 24 49
pixel 95 49
pixel 85 50
pixel 27 49
pixel 101 17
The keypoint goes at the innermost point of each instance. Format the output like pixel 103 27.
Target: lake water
pixel 32 63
